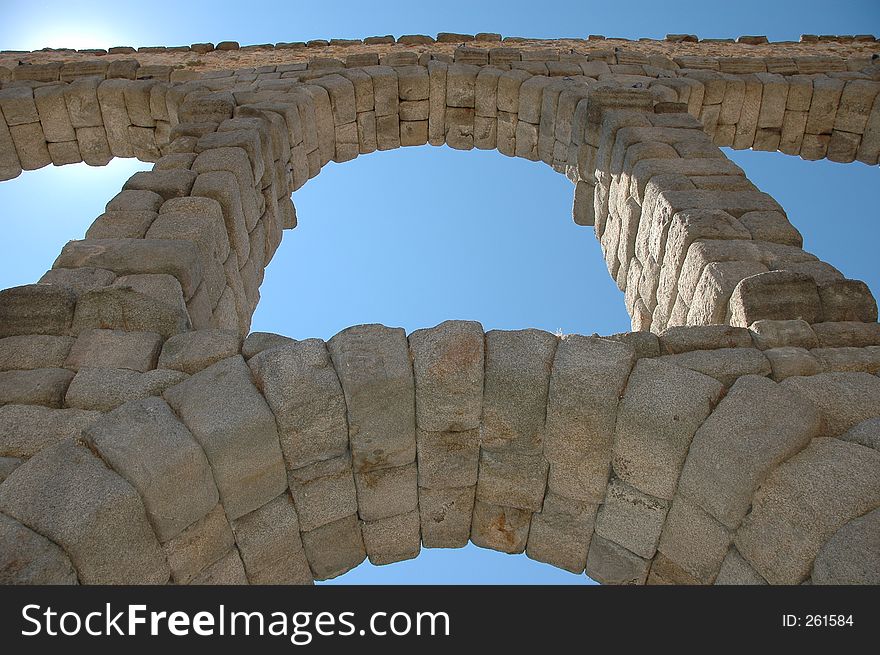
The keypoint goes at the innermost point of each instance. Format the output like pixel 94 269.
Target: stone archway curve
pixel 149 441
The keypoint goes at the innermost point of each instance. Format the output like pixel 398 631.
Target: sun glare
pixel 77 37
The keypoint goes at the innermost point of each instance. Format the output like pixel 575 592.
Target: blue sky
pixel 412 237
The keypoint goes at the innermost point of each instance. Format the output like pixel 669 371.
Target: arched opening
pixel 416 236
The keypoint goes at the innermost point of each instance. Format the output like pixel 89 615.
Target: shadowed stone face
pixel 145 436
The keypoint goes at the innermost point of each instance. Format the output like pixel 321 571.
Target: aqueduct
pixel 730 438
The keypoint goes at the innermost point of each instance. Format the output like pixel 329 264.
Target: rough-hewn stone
pixel 190 352
pixel 586 383
pixel 448 369
pixel 803 503
pixel 611 563
pixel 334 548
pixel 500 528
pixel 852 555
pixel 137 351
pixel 145 443
pixel 29 558
pixel 235 427
pixel 843 399
pixel 104 389
pixel 518 364
pixel 68 495
pixel 756 426
pixel 374 367
pixel 446 516
pixel 270 545
pixel 40 386
pixel 200 545
pixel 303 391
pixel 662 408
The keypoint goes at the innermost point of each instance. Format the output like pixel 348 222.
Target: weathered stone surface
pixel 257 342
pixel 724 364
pixel 8 465
pixel 843 399
pixel 137 351
pixel 631 519
pixel 803 503
pixel 866 433
pixel 446 516
pixel 643 343
pixel 610 563
pixel 709 304
pixel 68 495
pixel 235 427
pixel 40 386
pixel 303 391
pixel 53 113
pixel 128 306
pixel 775 295
pixel 200 545
pixel 36 309
pixel 448 459
pixel 661 410
pixel 736 571
pixel 847 359
pixel 665 571
pixel 693 540
pixel 27 352
pixel 392 539
pixel 29 558
pixel 771 226
pixel 560 533
pixel 852 555
pixel 103 389
pixel 269 542
pixel 206 230
pixel 323 492
pixel 682 339
pixel 79 280
pixel 135 200
pixel 31 146
pixel 775 334
pixel 847 300
pixel 334 548
pixel 222 187
pixel 513 479
pixel 517 378
pixel 237 162
pixel 386 492
pixel 755 427
pixel 375 371
pixel 847 334
pixel 586 383
pixel 145 443
pixel 175 183
pixel 787 361
pixel 121 225
pixel 136 256
pixel 500 528
pixel 163 289
pixel 26 429
pixel 228 570
pixel 448 370
pixel 190 352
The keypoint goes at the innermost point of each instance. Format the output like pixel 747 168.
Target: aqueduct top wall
pixel 143 437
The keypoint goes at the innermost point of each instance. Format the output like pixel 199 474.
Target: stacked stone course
pixel 147 437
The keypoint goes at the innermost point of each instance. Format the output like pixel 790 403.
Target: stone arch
pixel 149 439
